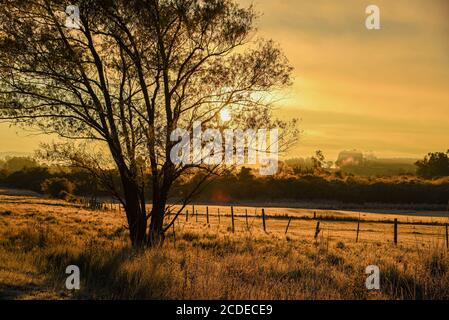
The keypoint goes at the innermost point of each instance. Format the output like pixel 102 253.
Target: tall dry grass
pixel 204 262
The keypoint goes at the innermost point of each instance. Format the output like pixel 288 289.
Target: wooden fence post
pixel 207 215
pixel 187 215
pixel 263 220
pixel 246 218
pixel 218 216
pixel 358 230
pixel 314 215
pixel 447 237
pixel 317 230
pixel 288 225
pixel 196 215
pixel 174 235
pixel 232 218
pixel 395 231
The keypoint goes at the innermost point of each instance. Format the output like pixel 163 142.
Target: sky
pixel 378 91
pixel 383 91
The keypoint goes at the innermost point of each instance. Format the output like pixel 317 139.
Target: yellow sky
pixel 384 91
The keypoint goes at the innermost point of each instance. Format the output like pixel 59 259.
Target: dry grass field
pixel 40 237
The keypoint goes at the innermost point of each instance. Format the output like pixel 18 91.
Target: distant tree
pixel 58 187
pixel 318 160
pixel 13 164
pixel 434 165
pixel 284 170
pixel 133 72
pixel 301 166
pixel 320 164
pixel 28 178
pixel 245 174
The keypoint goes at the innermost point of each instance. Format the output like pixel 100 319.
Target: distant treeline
pixel 78 182
pixel 348 189
pixel 244 185
pixel 359 166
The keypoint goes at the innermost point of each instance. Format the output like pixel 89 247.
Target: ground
pixel 40 237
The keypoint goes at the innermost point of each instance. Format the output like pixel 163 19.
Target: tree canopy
pixel 130 74
pixel 434 165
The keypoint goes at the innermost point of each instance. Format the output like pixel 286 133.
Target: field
pixel 40 237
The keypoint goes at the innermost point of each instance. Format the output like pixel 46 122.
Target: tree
pixel 126 78
pixel 434 165
pixel 13 164
pixel 58 187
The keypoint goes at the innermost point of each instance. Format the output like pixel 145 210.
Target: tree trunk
pixel 156 235
pixel 135 214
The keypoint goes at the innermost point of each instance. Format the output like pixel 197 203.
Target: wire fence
pixel 309 224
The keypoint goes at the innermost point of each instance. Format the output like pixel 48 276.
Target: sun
pixel 225 115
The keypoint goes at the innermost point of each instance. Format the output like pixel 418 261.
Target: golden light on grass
pixel 40 237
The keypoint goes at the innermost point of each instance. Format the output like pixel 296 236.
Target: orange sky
pixel 383 91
